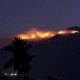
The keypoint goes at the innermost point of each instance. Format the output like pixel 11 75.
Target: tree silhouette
pixel 3 77
pixel 51 78
pixel 21 58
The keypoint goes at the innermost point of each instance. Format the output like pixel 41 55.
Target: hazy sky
pixel 17 16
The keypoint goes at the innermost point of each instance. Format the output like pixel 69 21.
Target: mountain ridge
pixel 58 56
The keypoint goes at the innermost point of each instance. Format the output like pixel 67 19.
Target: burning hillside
pixel 35 34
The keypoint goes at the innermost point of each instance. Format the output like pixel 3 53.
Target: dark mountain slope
pixel 58 56
pixel 74 28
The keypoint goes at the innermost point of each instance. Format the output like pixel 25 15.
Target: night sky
pixel 17 16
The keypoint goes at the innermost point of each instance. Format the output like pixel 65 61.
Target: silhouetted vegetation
pixel 3 77
pixel 51 78
pixel 21 58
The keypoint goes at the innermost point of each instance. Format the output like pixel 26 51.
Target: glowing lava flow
pixel 35 34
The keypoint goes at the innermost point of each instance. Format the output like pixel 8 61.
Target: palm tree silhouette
pixel 21 58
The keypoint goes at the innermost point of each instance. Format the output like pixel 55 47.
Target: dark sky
pixel 17 16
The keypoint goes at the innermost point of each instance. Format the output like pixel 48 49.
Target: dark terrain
pixel 58 56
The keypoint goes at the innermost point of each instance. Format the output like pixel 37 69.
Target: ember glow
pixel 65 32
pixel 35 34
